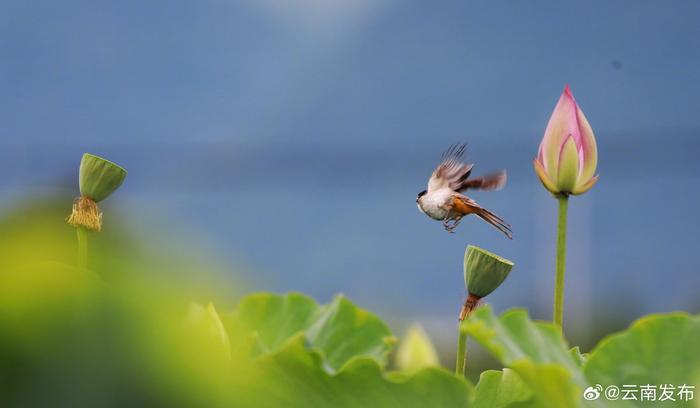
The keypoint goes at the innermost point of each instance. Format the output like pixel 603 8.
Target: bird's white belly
pixel 433 205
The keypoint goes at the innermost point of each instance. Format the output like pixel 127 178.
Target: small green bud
pixel 99 177
pixel 484 271
pixel 416 351
pixel 207 322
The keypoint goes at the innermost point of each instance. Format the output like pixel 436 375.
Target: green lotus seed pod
pixel 484 271
pixel 99 177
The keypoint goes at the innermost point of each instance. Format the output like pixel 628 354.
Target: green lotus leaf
pixel 501 389
pixel 295 376
pixel 302 354
pixel 535 351
pixel 340 330
pixel 656 349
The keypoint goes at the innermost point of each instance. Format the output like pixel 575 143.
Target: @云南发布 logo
pixel 592 393
pixel 642 392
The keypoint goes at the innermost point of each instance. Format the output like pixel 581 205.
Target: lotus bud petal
pixel 568 155
pixel 568 166
pixel 583 188
pixel 484 271
pixel 416 351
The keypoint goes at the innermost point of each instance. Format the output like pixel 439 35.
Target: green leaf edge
pixel 389 341
pixel 363 361
pixel 637 325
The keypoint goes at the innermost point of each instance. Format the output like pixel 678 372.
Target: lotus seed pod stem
pixel 470 304
pixel 98 178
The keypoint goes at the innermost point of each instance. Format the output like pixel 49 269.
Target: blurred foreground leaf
pixel 339 330
pixel 304 354
pixel 126 333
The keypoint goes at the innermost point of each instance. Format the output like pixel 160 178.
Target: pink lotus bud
pixel 568 156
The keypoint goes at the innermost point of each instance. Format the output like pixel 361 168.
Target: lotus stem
pixel 461 363
pixel 82 247
pixel 561 261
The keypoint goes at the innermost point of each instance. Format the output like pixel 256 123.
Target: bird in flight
pixel 444 201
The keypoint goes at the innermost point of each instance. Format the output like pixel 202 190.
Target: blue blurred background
pixel 290 138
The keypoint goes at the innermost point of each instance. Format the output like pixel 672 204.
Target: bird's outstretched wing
pixel 465 206
pixel 493 181
pixel 451 172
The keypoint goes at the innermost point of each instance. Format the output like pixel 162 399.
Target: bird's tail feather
pixel 496 221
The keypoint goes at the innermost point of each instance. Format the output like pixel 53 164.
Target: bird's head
pixel 421 194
